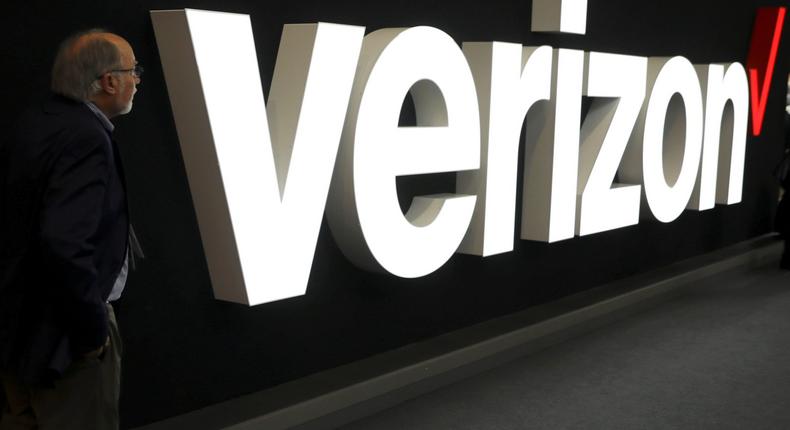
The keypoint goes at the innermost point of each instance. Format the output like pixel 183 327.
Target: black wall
pixel 184 350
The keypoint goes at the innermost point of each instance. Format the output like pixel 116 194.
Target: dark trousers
pixel 84 398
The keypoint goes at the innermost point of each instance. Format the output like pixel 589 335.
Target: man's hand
pixel 96 353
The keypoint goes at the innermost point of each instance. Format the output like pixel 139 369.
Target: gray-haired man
pixel 64 233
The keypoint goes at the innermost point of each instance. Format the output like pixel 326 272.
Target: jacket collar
pixel 105 122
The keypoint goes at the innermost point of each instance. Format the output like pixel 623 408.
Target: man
pixel 782 222
pixel 64 233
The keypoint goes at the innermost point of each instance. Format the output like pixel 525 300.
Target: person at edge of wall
pixel 782 222
pixel 66 243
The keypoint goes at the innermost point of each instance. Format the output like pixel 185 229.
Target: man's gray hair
pixel 79 63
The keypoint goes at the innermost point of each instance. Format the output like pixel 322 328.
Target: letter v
pixel 259 175
pixel 762 59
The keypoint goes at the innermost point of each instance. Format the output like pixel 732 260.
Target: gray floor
pixel 717 357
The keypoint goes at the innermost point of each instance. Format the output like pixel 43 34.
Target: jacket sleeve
pixel 70 219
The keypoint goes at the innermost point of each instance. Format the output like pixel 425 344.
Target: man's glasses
pixel 136 71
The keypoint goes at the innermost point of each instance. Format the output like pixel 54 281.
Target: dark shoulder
pixel 74 116
pixel 59 124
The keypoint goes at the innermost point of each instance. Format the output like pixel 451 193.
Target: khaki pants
pixel 84 398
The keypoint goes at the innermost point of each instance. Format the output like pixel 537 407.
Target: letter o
pixel 662 139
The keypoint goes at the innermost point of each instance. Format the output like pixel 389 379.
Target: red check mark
pixel 762 59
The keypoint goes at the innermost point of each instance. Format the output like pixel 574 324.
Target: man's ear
pixel 108 83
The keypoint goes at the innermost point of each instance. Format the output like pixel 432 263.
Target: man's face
pixel 119 85
pixel 128 81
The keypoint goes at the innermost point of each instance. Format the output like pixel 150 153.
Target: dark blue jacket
pixel 63 238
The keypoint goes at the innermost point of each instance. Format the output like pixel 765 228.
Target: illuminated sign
pixel 768 25
pixel 262 174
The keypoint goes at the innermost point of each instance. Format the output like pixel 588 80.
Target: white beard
pixel 126 109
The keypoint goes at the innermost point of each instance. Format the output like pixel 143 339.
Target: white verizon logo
pixel 262 175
